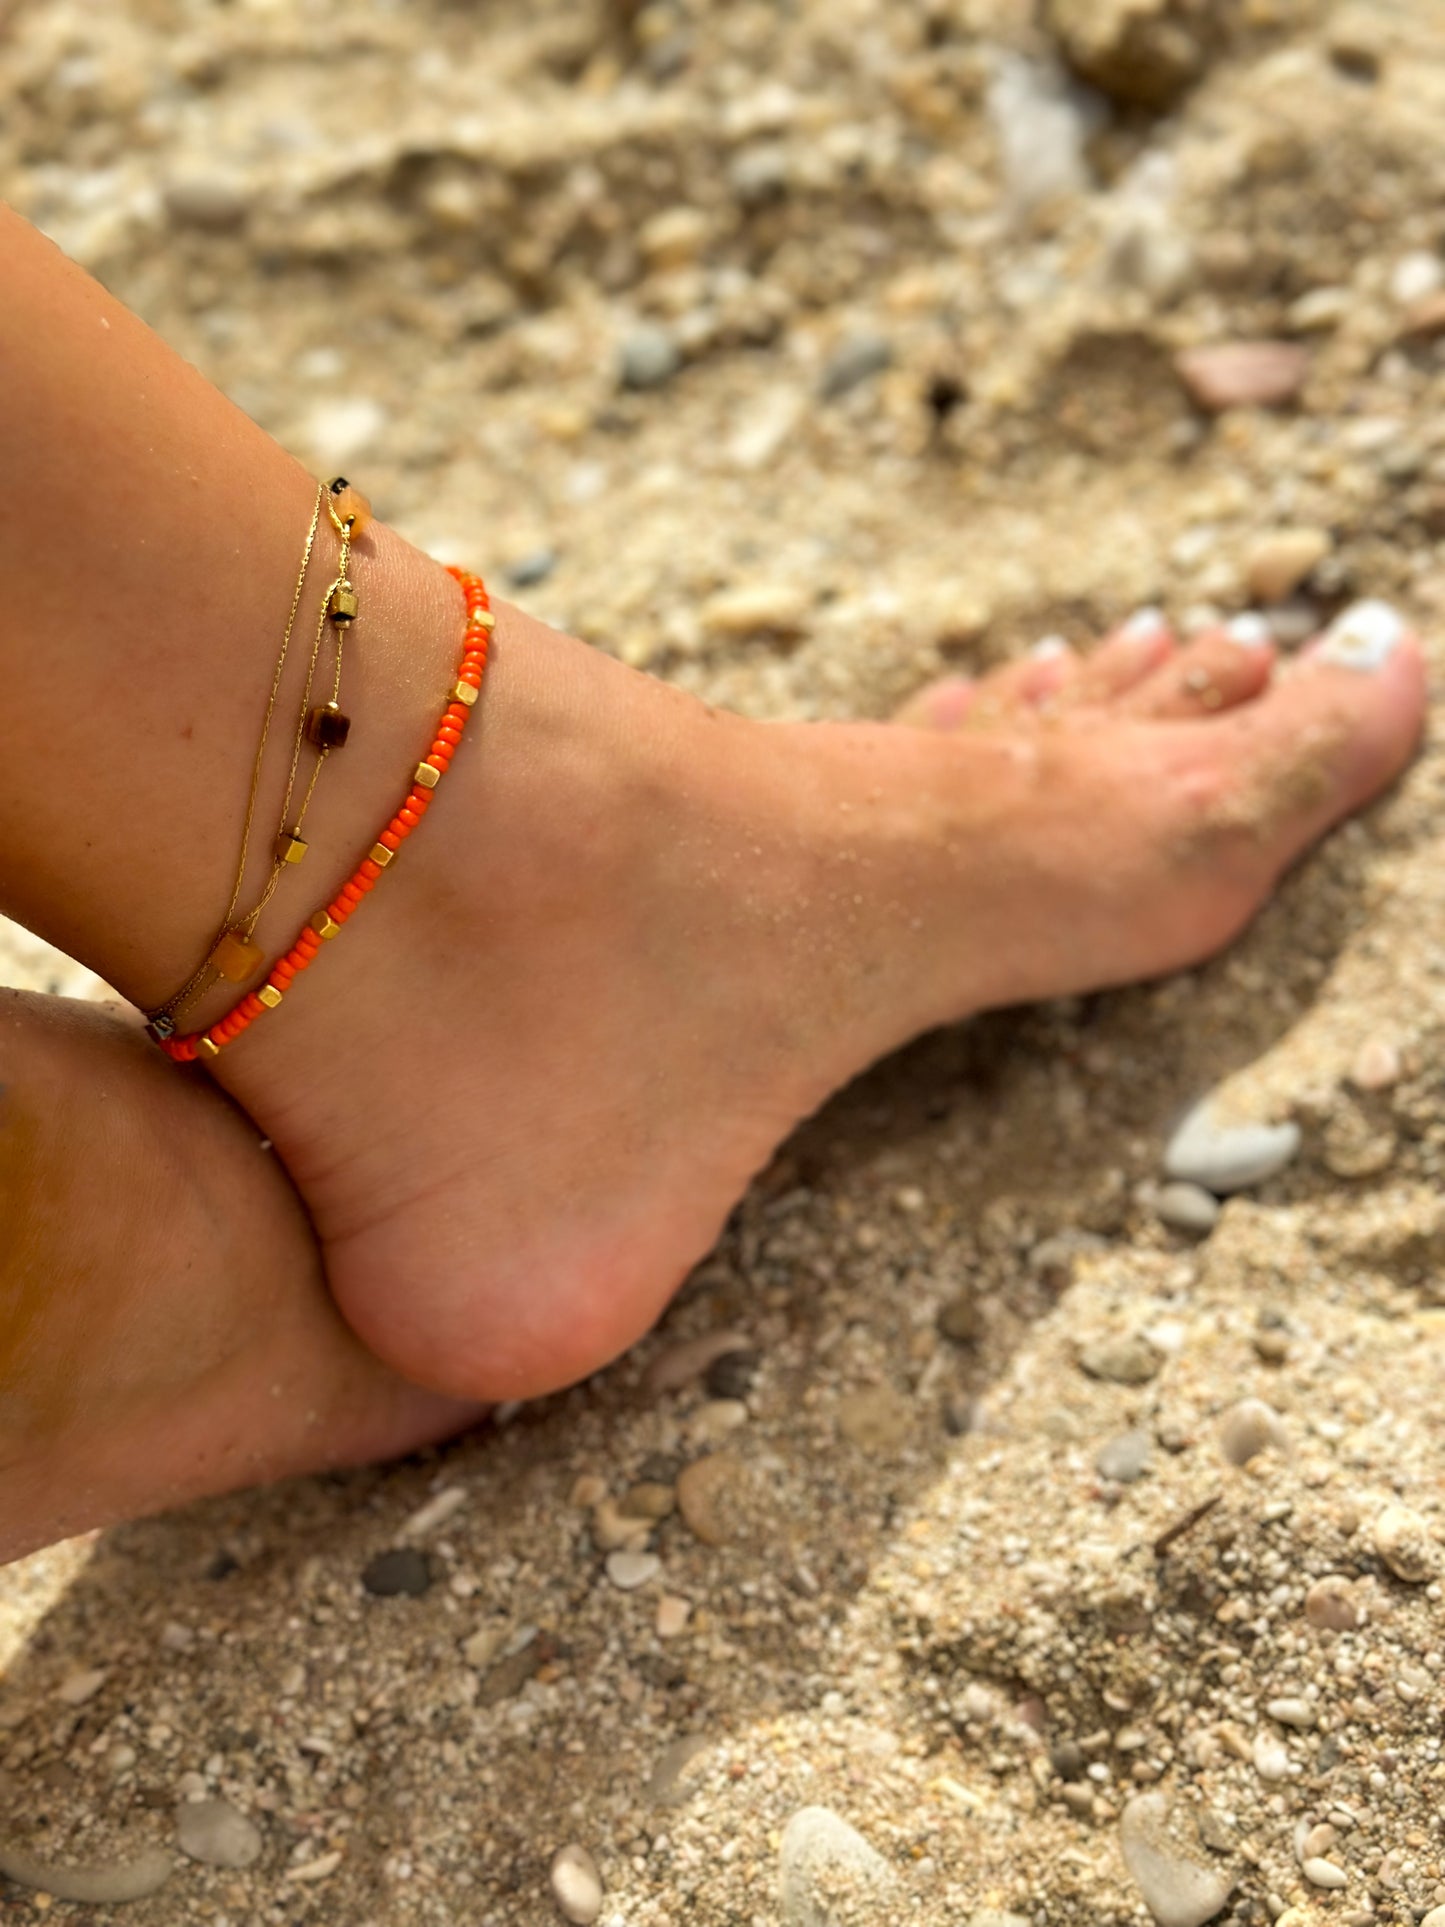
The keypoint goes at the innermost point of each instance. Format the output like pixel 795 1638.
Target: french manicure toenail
pixel 1145 623
pixel 1250 632
pixel 1364 637
pixel 1049 650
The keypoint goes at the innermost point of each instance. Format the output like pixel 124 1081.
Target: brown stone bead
pixel 350 505
pixel 327 728
pixel 236 956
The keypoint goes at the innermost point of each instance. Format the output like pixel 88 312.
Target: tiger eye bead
pixel 349 505
pixel 327 728
pixel 236 956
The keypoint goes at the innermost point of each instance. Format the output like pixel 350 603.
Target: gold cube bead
pixel 236 956
pixel 465 692
pixel 344 606
pixel 428 775
pixel 290 848
pixel 269 995
pixel 380 855
pixel 323 926
pixel 481 619
pixel 205 1048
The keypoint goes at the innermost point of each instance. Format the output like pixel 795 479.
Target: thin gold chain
pixel 203 971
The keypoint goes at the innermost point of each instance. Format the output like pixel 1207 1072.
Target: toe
pixel 1218 671
pixel 1122 661
pixel 1272 776
pixel 1011 692
pixel 939 705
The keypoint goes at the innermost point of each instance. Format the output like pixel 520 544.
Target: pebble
pixel 1125 1458
pixel 629 1570
pixel 829 1876
pixel 878 1420
pixel 1142 53
pixel 1270 1756
pixel 1042 124
pixel 1249 1428
pixel 854 361
pixel 960 1320
pixel 1330 1604
pixel 127 1880
pixel 1243 374
pixel 401 1573
pixel 1177 1889
pixel 1415 277
pixel 1405 1543
pixel 1224 1158
pixel 217 1834
pixel 480 1648
pixel 1378 1065
pixel 530 571
pixel 757 609
pixel 1280 563
pixel 435 1513
pixel 81 1686
pixel 648 1500
pixel 1126 1358
pixel 673 1614
pixel 1324 1873
pixel 719 1500
pixel 212 201
pixel 1292 1712
pixel 1435 1918
pixel 668 1784
pixel 710 1424
pixel 576 1885
pixel 1187 1207
pixel 1425 321
pixel 680 1364
pixel 731 1376
pixel 649 357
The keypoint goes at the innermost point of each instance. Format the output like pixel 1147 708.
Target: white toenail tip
pixel 1364 637
pixel 1250 632
pixel 1144 623
pixel 1049 650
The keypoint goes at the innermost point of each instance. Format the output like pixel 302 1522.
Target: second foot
pixel 638 941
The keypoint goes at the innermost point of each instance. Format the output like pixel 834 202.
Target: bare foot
pixel 164 1327
pixel 638 941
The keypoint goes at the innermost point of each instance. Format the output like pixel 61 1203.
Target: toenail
pixel 1250 632
pixel 1049 650
pixel 1364 637
pixel 1145 623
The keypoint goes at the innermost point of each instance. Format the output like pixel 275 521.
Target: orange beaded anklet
pixel 325 924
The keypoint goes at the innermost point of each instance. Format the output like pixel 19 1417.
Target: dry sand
pixel 923 311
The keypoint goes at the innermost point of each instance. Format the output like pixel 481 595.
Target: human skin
pixel 634 940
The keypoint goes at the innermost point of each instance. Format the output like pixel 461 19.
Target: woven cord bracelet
pixel 208 1044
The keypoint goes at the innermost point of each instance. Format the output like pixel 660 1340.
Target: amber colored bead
pixel 327 728
pixel 236 956
pixel 348 504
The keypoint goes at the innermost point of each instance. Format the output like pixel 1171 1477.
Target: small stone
pixel 672 1615
pixel 731 1376
pixel 437 1511
pixel 649 357
pixel 81 1686
pixel 854 361
pixel 1280 563
pixel 1249 1428
pixel 1355 36
pixel 669 1784
pixel 1271 1346
pixel 707 1495
pixel 1127 1358
pixel 829 1876
pixel 629 1570
pixel 1405 1543
pixel 648 1500
pixel 1293 1712
pixel 1330 1604
pixel 217 1834
pixel 758 609
pixel 1324 1873
pixel 402 1573
pixel 531 571
pixel 576 1885
pixel 960 1320
pixel 1415 277
pixel 1224 1158
pixel 1425 321
pixel 1243 374
pixel 1435 1918
pixel 213 201
pixel 1187 1207
pixel 615 1531
pixel 878 1421
pixel 1178 1890
pixel 1378 1065
pixel 1270 1757
pixel 1142 53
pixel 680 1364
pixel 710 1424
pixel 1125 1458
